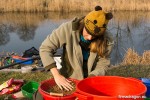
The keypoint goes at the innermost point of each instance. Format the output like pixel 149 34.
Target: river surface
pixel 21 31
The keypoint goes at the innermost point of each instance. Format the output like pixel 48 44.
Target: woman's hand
pixel 61 81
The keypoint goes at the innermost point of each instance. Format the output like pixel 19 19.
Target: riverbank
pixel 133 65
pixel 72 5
pixel 138 71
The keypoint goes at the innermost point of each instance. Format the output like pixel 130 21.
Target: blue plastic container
pixel 18 59
pixel 26 63
pixel 146 81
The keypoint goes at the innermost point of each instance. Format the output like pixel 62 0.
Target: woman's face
pixel 86 35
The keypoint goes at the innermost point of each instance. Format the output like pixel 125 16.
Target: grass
pixel 136 71
pixel 71 5
pixel 36 76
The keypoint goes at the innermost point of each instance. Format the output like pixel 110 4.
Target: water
pixel 19 31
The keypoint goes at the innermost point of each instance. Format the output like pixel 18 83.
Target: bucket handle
pixel 83 97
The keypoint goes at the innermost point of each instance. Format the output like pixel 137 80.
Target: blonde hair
pixel 99 45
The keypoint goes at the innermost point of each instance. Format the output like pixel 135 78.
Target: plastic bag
pixel 6 84
pixel 10 86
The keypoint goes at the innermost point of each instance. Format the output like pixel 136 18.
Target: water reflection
pixel 26 32
pixel 20 31
pixel 4 37
pixel 130 30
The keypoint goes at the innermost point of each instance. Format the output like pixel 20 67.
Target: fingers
pixel 66 88
pixel 69 85
pixel 63 83
pixel 68 80
pixel 60 86
pixel 66 85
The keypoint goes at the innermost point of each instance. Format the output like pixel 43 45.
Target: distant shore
pixel 72 5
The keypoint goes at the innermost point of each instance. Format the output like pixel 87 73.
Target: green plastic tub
pixel 29 89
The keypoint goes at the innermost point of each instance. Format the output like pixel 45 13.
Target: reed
pixel 133 58
pixel 146 58
pixel 36 18
pixel 71 5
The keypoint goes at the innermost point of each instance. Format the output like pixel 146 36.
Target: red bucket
pixel 47 84
pixel 110 88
